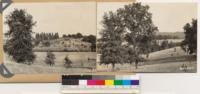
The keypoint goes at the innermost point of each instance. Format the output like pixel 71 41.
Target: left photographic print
pixel 47 38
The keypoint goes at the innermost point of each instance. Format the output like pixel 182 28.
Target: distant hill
pixel 63 45
pixel 180 35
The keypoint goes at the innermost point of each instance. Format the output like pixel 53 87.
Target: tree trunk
pixel 136 64
pixel 113 67
pixel 147 55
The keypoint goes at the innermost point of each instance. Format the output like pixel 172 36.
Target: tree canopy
pixel 91 39
pixel 189 44
pixel 127 33
pixel 112 38
pixel 140 28
pixel 19 36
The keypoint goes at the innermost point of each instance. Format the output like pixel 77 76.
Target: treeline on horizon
pixel 49 36
pixel 156 46
pixel 46 36
pixel 160 37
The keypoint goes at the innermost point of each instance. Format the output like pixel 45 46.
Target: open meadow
pixel 82 62
pixel 168 60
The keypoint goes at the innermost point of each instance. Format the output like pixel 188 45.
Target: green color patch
pixel 118 82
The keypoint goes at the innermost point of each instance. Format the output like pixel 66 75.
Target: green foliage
pixel 19 36
pixel 189 44
pixel 50 58
pixel 67 62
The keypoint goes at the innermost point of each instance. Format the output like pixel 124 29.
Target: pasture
pixel 82 62
pixel 168 60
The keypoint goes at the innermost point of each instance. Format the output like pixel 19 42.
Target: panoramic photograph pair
pixel 100 37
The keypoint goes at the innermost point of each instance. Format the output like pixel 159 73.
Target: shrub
pixel 50 58
pixel 67 62
pixel 46 43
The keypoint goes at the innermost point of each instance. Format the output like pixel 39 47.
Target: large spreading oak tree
pixel 127 34
pixel 19 36
pixel 140 31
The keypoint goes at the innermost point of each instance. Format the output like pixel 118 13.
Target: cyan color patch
pixel 126 82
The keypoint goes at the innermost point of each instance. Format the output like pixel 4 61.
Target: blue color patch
pixel 126 82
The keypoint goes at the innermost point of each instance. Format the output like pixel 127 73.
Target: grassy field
pixel 80 64
pixel 168 61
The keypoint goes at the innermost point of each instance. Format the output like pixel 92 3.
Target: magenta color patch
pixel 91 82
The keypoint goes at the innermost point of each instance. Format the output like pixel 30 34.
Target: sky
pixel 64 18
pixel 168 17
pixel 85 17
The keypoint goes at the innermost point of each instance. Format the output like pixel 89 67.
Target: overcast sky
pixel 168 17
pixel 74 17
pixel 65 18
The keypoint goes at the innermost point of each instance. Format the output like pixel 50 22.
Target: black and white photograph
pixel 46 38
pixel 146 37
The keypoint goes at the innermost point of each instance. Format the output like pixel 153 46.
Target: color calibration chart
pixel 100 84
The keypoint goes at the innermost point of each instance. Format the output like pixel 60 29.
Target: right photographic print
pixel 146 37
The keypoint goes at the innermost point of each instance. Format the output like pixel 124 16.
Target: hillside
pixel 64 45
pixel 172 52
pixel 168 60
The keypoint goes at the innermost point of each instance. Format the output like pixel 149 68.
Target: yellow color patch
pixel 109 82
